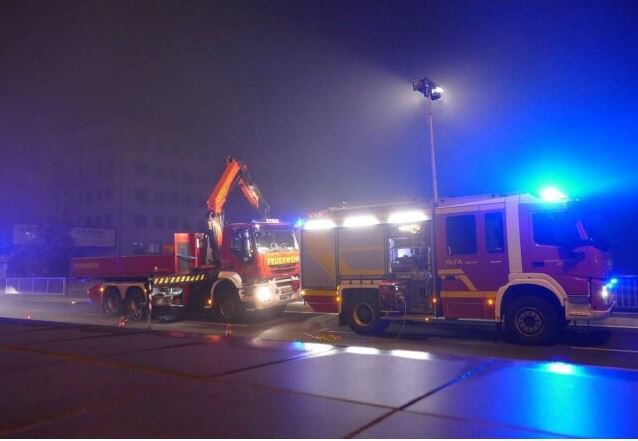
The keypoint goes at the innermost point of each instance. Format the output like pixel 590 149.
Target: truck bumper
pixel 579 312
pixel 269 295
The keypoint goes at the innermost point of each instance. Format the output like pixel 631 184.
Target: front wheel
pixel 229 308
pixel 277 311
pixel 365 317
pixel 532 320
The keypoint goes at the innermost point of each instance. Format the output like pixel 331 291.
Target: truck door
pixel 458 265
pixel 494 263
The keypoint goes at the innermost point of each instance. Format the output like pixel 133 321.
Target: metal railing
pixel 34 285
pixel 626 293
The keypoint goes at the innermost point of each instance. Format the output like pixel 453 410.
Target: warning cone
pixel 229 330
pixel 122 322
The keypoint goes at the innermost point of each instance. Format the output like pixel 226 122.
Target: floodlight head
pixel 428 88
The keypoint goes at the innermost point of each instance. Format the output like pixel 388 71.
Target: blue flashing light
pixel 299 223
pixel 613 281
pixel 551 194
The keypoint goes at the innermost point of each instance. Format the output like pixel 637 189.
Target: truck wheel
pixel 365 317
pixel 532 320
pixel 277 311
pixel 136 304
pixel 229 308
pixel 112 302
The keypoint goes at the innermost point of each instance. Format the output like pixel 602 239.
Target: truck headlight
pixel 263 293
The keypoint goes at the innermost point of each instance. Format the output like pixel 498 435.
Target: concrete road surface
pixel 67 380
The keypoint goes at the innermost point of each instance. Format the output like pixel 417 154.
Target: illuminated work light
pixel 407 217
pixel 319 224
pixel 360 221
pixel 551 194
pixel 428 88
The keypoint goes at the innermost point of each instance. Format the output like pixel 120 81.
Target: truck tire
pixel 136 304
pixel 365 316
pixel 228 308
pixel 112 302
pixel 277 311
pixel 532 320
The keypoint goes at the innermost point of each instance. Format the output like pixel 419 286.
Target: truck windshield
pixel 275 239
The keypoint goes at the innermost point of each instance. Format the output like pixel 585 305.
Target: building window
pixel 160 197
pixel 158 222
pixel 139 221
pixel 154 248
pixel 140 168
pixel 140 195
pixel 494 235
pixel 138 248
pixel 461 234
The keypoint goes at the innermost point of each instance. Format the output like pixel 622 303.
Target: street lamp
pixel 432 92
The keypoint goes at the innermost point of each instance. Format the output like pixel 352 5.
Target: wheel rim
pixel 530 321
pixel 363 314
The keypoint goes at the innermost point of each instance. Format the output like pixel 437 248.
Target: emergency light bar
pixel 407 217
pixel 319 224
pixel 272 221
pixel 360 221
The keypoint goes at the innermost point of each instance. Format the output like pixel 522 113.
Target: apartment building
pixel 140 186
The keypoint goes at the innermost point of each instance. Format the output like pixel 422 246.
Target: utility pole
pixel 432 92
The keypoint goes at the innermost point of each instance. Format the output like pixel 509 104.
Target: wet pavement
pixel 65 380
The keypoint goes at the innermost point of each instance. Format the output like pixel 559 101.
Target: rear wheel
pixel 136 304
pixel 112 302
pixel 532 320
pixel 365 316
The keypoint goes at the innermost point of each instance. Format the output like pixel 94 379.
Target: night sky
pixel 316 95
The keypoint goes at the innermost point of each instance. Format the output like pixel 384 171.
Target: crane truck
pixel 230 269
pixel 529 262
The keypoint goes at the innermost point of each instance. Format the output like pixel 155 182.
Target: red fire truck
pixel 528 262
pixel 230 269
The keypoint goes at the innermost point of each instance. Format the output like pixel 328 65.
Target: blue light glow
pixel 558 367
pixel 551 194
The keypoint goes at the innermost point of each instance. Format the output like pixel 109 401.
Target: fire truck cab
pixel 521 260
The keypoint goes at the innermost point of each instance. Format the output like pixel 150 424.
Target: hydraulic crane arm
pixel 235 173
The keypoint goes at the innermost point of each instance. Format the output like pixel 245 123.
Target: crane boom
pixel 235 173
